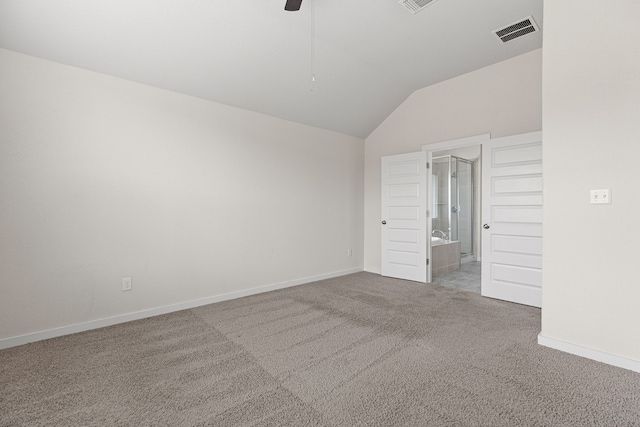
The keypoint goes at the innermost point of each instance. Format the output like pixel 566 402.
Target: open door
pixel 404 216
pixel 512 219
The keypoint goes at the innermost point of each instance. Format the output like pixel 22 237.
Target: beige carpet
pixel 360 350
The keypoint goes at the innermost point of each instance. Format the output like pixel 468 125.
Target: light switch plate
pixel 599 197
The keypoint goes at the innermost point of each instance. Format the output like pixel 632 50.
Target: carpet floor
pixel 358 350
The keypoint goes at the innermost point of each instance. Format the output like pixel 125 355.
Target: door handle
pixel 384 222
pixel 486 226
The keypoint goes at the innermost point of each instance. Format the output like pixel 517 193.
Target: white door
pixel 512 219
pixel 404 216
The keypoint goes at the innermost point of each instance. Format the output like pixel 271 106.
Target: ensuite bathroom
pixel 456 204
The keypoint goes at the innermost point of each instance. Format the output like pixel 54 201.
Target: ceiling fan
pixel 293 5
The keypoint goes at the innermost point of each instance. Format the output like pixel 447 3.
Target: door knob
pixel 384 222
pixel 486 226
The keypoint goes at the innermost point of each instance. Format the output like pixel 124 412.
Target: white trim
pixel 589 353
pixel 109 321
pixel 457 143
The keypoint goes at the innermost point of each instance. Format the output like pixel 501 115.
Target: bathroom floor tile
pixel 466 278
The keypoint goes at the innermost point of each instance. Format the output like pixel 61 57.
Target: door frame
pixel 430 149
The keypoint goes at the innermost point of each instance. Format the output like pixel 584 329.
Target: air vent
pixel 415 6
pixel 517 29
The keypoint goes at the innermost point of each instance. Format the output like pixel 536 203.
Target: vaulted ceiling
pixel 367 55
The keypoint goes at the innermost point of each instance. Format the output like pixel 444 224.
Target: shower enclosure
pixel 453 201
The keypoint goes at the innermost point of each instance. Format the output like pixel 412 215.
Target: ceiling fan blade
pixel 293 5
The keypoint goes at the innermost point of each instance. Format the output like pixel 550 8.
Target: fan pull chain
pixel 313 42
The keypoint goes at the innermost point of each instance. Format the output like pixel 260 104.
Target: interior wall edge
pixel 589 353
pixel 157 311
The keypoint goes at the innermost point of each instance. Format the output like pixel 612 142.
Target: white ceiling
pixel 369 54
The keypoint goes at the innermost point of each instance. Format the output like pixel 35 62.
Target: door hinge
pixel 427 261
pixel 428 213
pixel 428 165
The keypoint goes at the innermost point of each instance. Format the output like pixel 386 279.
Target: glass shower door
pixel 441 217
pixel 464 214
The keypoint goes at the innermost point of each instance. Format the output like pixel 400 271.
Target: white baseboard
pixel 599 356
pixel 101 323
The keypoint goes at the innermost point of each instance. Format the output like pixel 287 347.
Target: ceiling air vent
pixel 517 29
pixel 415 6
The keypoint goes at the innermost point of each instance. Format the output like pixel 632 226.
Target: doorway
pixel 510 248
pixel 453 197
pixel 455 209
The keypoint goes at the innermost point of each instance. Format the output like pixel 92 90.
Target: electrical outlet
pixel 126 284
pixel 349 253
pixel 600 197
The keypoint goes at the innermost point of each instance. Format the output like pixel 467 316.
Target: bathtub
pixel 445 255
pixel 435 241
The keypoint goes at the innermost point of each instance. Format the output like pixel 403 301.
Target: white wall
pixel 102 179
pixel 591 124
pixel 502 99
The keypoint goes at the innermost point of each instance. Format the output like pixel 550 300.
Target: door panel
pixel 512 214
pixel 404 220
pixel 403 213
pixel 404 190
pixel 522 154
pixel 516 214
pixel 517 185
